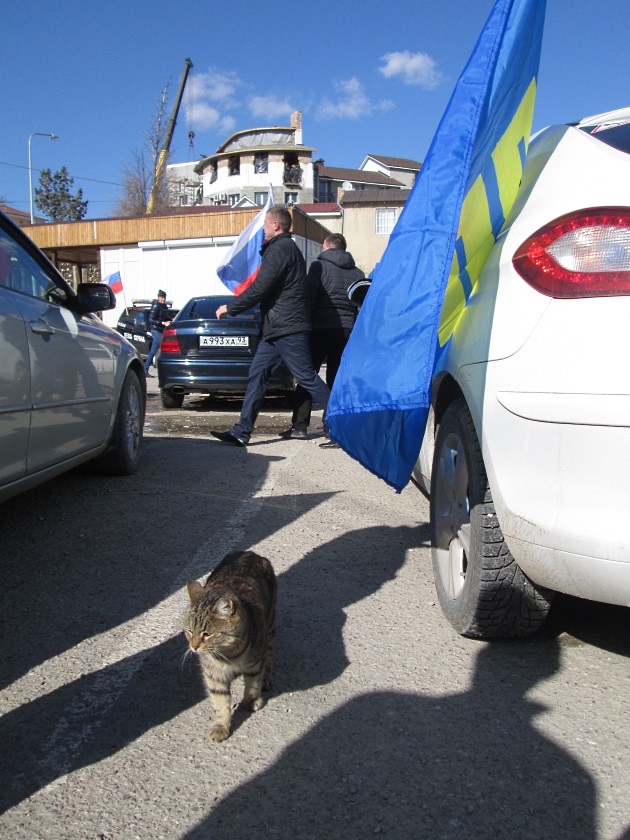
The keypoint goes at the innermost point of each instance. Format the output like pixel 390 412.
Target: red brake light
pixel 583 254
pixel 170 342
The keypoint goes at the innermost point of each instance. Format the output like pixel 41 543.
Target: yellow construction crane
pixel 163 156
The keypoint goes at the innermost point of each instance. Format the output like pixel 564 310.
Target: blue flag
pixel 382 393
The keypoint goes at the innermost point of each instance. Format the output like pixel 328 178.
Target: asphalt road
pixel 382 721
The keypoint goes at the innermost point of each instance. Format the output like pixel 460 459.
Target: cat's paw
pixel 219 733
pixel 253 705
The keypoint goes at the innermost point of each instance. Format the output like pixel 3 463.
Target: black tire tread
pixel 171 400
pixel 506 603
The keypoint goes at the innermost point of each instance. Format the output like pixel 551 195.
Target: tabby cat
pixel 231 625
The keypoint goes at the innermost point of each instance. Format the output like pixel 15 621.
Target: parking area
pixel 382 720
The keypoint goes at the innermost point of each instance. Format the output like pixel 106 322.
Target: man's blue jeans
pixel 156 340
pixel 294 350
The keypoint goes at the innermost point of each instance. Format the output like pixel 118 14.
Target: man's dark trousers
pixel 327 345
pixel 294 351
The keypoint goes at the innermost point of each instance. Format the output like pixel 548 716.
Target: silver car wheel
pixel 133 423
pixel 452 516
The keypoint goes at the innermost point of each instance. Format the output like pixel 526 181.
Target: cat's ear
pixel 224 606
pixel 195 590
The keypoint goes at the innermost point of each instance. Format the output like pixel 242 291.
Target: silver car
pixel 71 389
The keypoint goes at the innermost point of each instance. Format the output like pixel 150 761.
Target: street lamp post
pixel 30 171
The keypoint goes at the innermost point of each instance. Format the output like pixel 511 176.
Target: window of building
pixel 290 198
pixel 189 194
pixel 261 163
pixel 234 165
pixel 325 192
pixel 292 170
pixel 232 199
pixel 385 220
pixel 260 198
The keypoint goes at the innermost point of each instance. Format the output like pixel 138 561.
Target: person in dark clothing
pixel 333 317
pixel 158 319
pixel 280 289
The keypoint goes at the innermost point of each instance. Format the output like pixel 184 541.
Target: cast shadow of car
pixel 96 715
pixel 84 554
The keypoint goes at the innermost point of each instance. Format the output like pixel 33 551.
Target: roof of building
pixel 19 216
pixel 375 196
pixel 320 207
pixel 176 210
pixel 358 176
pixel 396 163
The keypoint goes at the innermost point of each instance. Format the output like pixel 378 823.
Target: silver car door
pixel 71 366
pixel 15 388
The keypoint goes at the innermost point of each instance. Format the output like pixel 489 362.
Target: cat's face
pixel 213 625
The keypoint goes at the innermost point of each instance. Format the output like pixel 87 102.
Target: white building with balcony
pixel 245 165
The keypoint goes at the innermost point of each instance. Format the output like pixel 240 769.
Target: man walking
pixel 280 290
pixel 158 319
pixel 333 316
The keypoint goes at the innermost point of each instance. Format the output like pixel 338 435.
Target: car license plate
pixel 224 341
pixel 128 336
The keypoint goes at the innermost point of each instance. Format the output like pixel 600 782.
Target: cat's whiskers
pixel 187 654
pixel 220 656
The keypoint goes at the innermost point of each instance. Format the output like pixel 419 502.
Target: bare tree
pixel 139 174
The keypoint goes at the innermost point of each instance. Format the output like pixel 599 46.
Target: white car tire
pixel 482 591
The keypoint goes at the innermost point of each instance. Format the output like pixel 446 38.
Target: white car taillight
pixel 583 254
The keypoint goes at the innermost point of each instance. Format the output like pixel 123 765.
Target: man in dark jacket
pixel 333 316
pixel 280 289
pixel 158 319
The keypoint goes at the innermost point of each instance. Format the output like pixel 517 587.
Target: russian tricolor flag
pixel 115 282
pixel 239 267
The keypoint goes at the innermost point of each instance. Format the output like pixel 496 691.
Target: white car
pixel 526 457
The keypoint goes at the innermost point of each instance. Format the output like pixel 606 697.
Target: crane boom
pixel 162 157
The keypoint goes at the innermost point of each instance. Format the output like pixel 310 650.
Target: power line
pixel 74 177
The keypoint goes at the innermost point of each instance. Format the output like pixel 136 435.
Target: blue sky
pixel 369 78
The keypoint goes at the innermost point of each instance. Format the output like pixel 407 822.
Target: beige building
pixel 367 219
pixel 403 170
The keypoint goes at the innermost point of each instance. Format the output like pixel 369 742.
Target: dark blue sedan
pixel 204 355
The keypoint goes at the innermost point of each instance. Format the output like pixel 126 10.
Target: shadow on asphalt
pixel 403 765
pixel 84 554
pixel 90 553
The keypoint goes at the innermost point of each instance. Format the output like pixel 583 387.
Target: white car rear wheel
pixel 481 589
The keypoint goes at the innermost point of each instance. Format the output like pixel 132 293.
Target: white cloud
pixel 203 116
pixel 352 102
pixel 413 68
pixel 208 98
pixel 215 85
pixel 270 107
